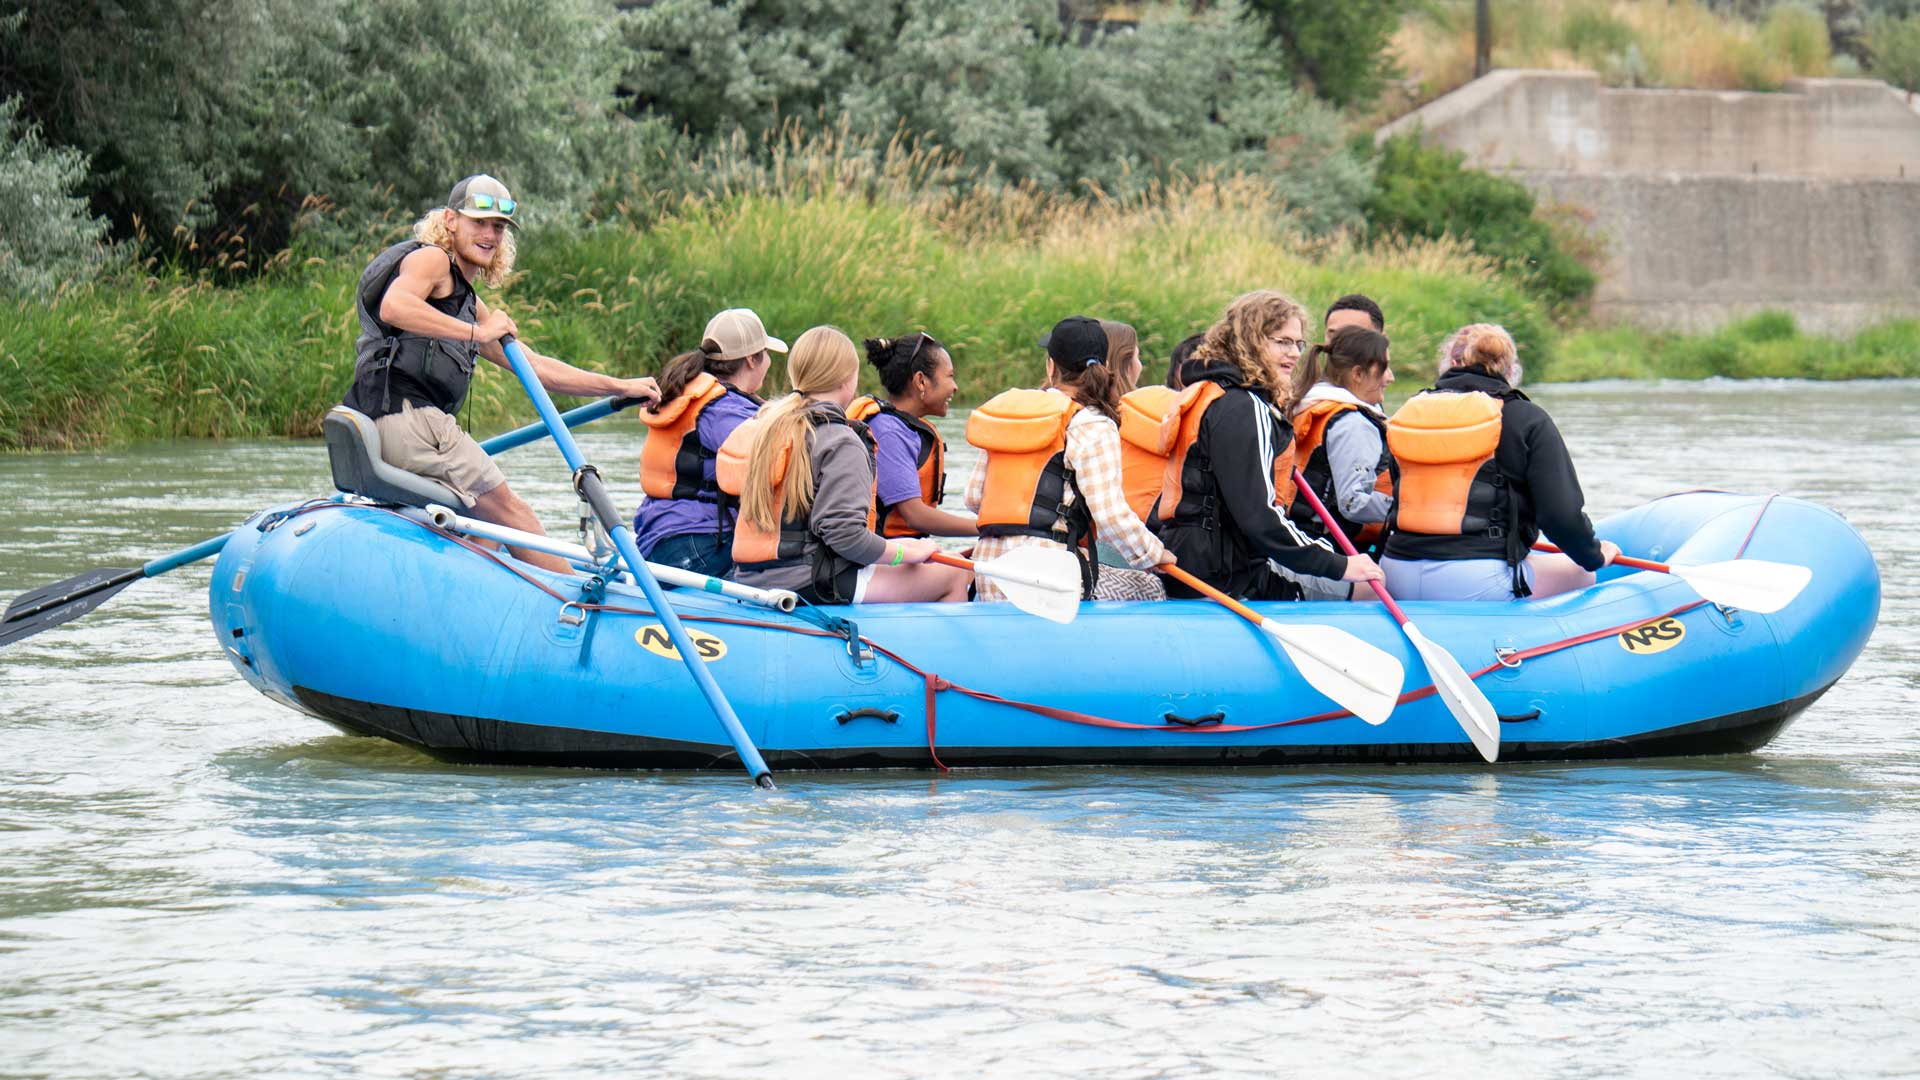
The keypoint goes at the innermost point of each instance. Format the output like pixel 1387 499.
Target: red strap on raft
pixel 935 684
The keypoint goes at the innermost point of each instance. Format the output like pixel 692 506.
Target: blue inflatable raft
pixel 383 625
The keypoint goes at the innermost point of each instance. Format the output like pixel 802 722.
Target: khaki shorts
pixel 427 442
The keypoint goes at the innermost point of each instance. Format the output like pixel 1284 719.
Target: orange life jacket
pixel 672 458
pixel 931 460
pixel 1449 484
pixel 1142 465
pixel 754 546
pixel 1309 446
pixel 1188 494
pixel 1024 436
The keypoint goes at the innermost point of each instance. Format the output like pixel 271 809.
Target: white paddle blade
pixel 1463 699
pixel 1356 675
pixel 1748 584
pixel 1039 581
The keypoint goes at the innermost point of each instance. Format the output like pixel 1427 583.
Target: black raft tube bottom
pixel 481 741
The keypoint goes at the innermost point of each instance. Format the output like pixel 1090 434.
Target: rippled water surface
pixel 196 882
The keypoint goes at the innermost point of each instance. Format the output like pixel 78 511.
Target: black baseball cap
pixel 1076 342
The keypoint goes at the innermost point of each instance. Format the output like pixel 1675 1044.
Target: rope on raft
pixel 936 684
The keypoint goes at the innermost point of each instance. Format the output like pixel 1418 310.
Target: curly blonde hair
pixel 1240 339
pixel 432 229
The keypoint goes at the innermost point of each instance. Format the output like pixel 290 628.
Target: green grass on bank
pixel 1764 346
pixel 160 358
pixel 166 357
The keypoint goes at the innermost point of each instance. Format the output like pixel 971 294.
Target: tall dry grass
pixel 1665 43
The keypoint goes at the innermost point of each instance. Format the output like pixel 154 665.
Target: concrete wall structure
pixel 1712 204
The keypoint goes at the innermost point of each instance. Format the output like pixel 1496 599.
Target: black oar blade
pixel 63 601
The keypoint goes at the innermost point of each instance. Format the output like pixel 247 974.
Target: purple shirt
pixel 659 519
pixel 897 452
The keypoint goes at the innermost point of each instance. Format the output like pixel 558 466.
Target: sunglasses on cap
pixel 478 201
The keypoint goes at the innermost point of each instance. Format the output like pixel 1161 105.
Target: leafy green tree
pixel 47 236
pixel 1896 50
pixel 1427 191
pixel 1191 93
pixel 1340 49
pixel 711 66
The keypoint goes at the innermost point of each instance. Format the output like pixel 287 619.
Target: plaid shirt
pixel 1093 453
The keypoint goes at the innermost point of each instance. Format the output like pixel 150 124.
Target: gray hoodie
pixel 842 496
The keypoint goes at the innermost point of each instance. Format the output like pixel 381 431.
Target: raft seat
pixel 353 449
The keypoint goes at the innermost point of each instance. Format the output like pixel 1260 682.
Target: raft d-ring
pixel 579 616
pixel 1506 655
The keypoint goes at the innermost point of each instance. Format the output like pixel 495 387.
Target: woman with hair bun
pixel 804 475
pixel 1483 472
pixel 916 373
pixel 1050 469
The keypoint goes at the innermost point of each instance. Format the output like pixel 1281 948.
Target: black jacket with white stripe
pixel 1229 474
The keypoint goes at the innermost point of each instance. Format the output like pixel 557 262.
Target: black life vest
pixel 430 371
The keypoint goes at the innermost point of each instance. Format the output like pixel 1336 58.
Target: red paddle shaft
pixel 1346 545
pixel 951 560
pixel 1619 560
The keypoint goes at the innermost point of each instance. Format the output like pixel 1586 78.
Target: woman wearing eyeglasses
pixel 916 373
pixel 1223 507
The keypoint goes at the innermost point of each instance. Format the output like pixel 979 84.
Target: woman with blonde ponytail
pixel 804 476
pixel 1483 472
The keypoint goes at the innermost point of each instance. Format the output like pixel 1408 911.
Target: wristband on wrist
pixel 899 552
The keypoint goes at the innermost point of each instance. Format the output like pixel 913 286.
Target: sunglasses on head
pixel 915 354
pixel 488 202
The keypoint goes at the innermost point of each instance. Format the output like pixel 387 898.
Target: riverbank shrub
pixel 1765 345
pixel 1428 191
pixel 47 237
pixel 166 356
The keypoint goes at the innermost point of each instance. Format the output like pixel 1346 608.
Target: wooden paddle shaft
pixel 1621 560
pixel 1346 545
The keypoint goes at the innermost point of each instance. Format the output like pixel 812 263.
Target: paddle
pixel 1463 699
pixel 1357 676
pixel 64 601
pixel 1754 585
pixel 586 481
pixel 1037 580
pixel 441 517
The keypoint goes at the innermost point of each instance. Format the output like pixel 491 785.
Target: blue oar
pixel 586 481
pixel 51 605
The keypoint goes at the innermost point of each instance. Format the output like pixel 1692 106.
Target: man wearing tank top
pixel 421 327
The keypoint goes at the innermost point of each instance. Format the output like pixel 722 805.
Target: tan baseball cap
pixel 737 333
pixel 481 196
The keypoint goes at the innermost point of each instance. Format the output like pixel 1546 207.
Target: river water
pixel 196 882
